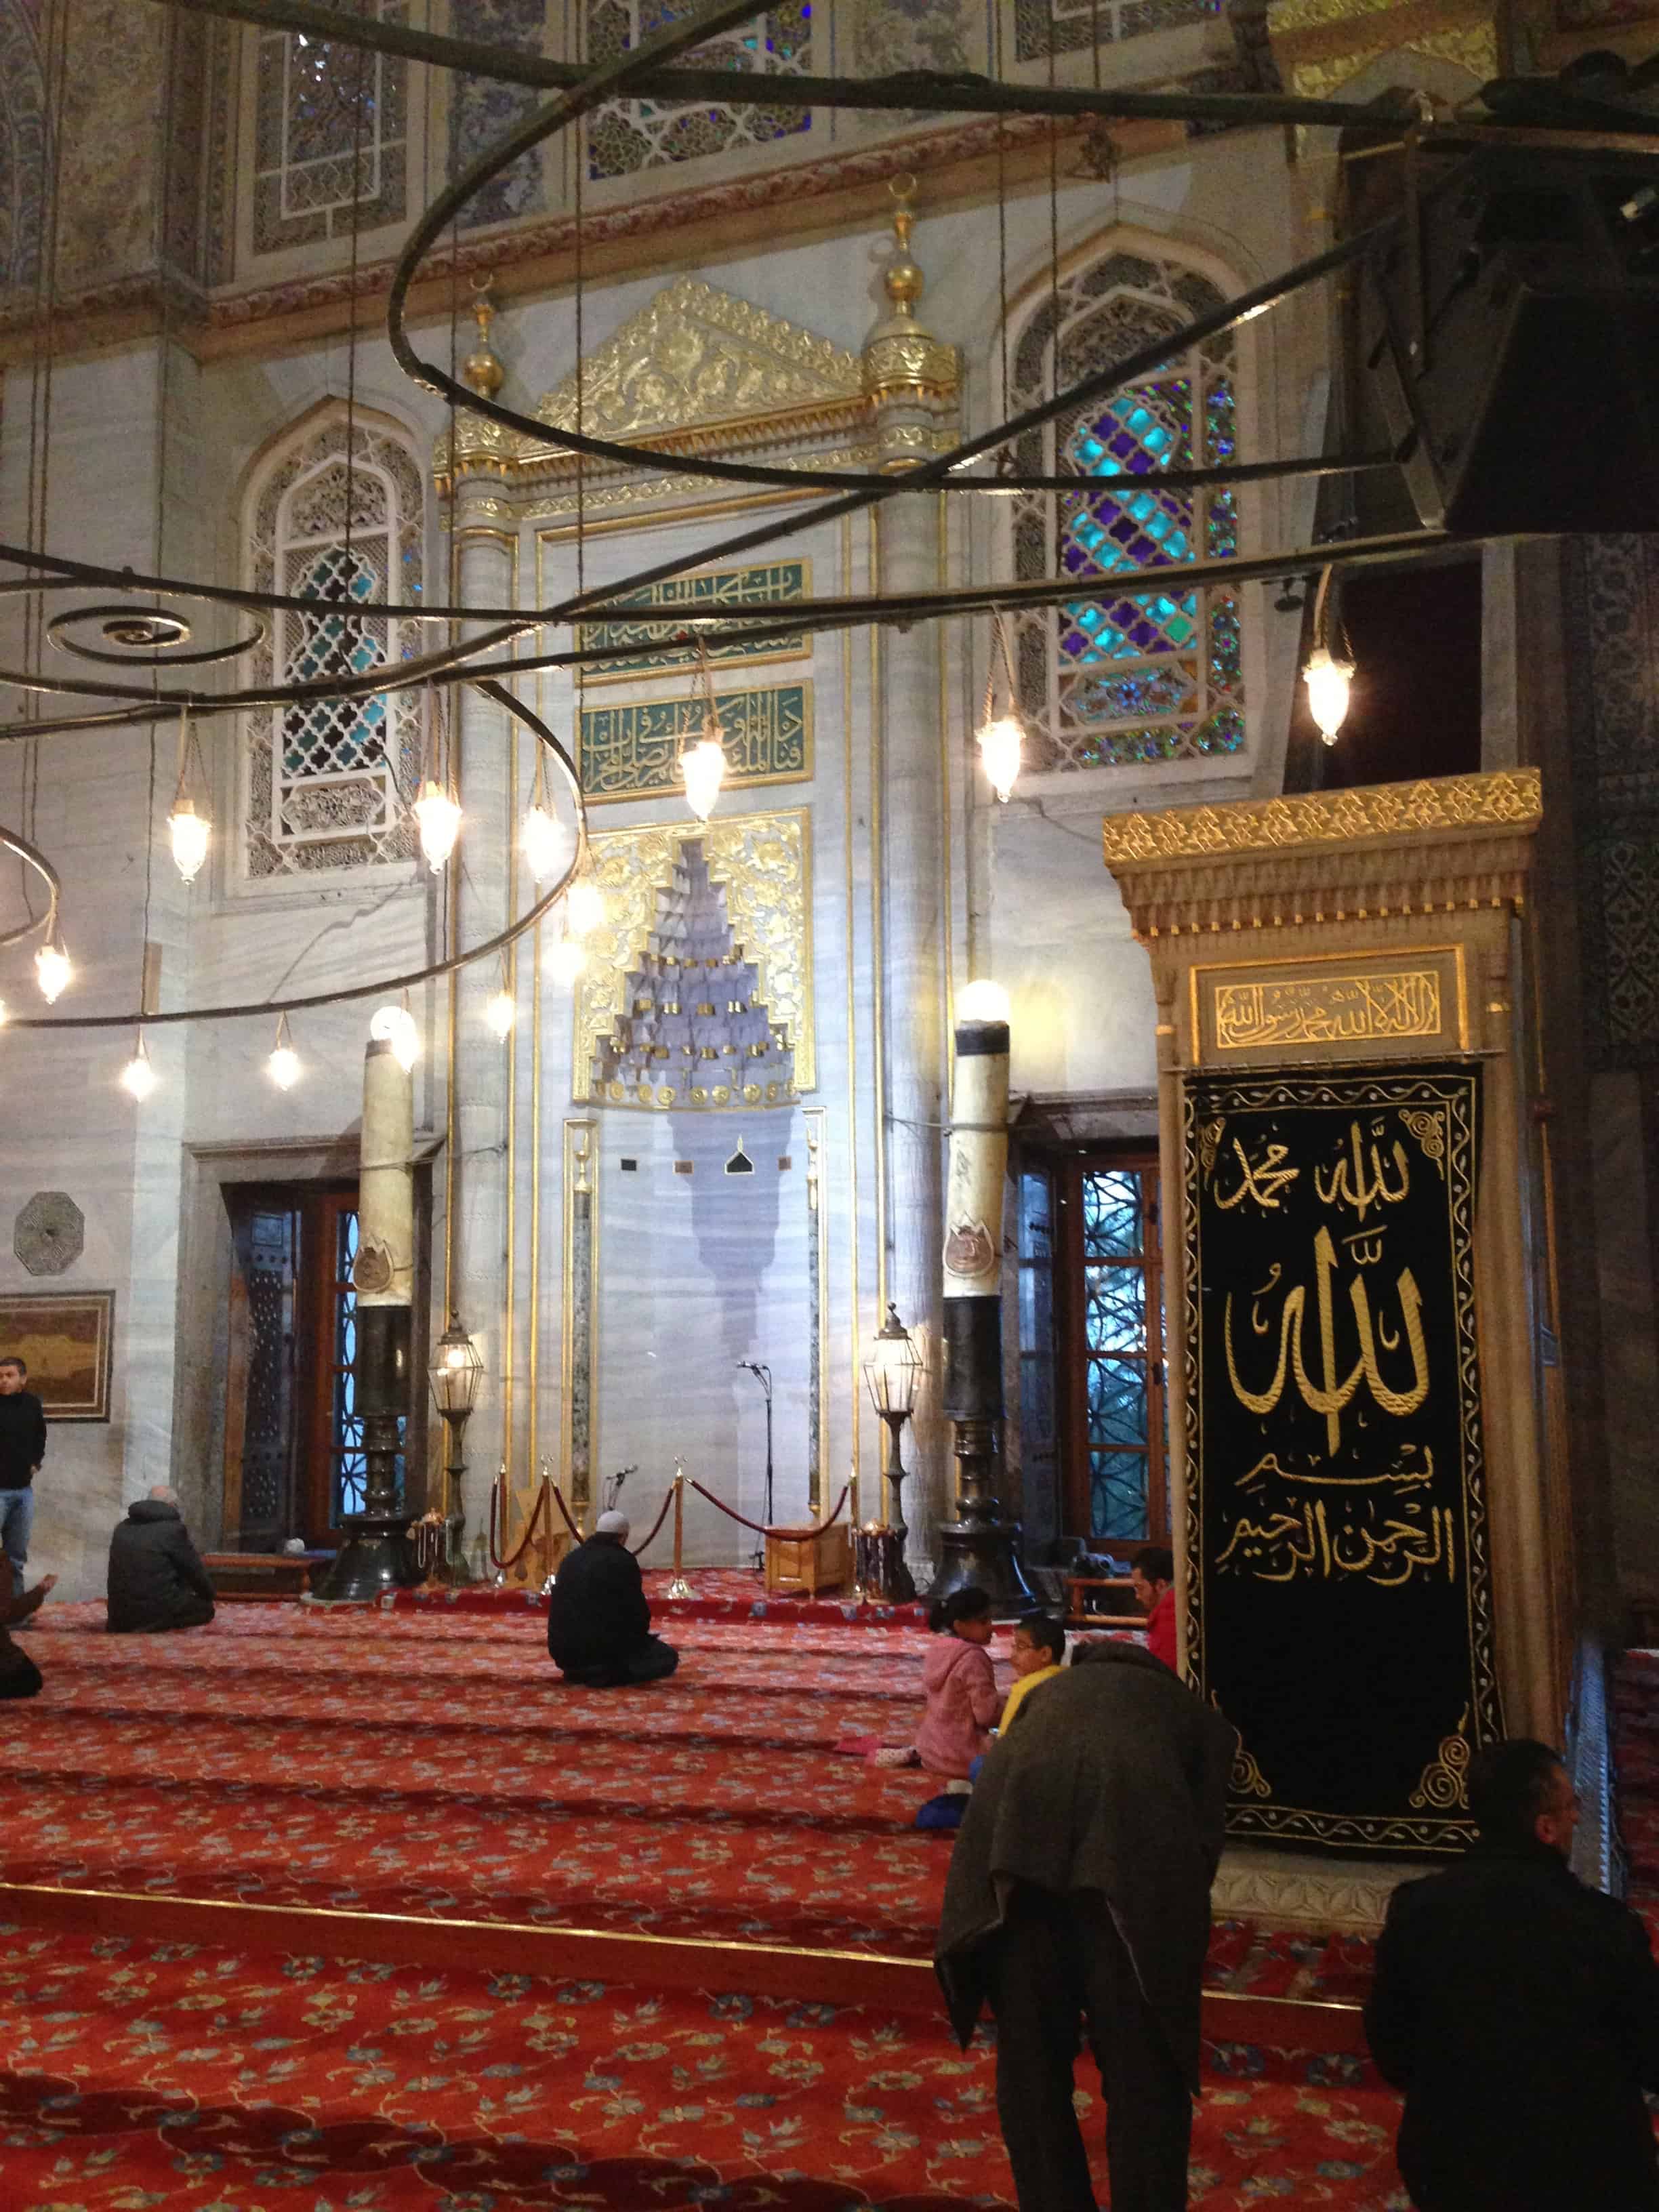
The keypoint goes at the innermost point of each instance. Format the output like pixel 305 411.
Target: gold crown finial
pixel 901 279
pixel 482 370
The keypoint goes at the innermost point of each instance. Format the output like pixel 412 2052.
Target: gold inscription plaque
pixel 1404 1002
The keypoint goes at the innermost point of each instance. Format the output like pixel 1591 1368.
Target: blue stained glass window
pixel 349 1486
pixel 1122 1349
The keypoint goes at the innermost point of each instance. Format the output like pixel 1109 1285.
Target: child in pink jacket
pixel 963 1700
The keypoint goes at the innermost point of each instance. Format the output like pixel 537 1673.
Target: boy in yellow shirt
pixel 1039 1655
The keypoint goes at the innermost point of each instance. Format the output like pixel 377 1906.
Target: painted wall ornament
pixel 50 1233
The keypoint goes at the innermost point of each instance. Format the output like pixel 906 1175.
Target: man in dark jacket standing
pixel 1080 1889
pixel 599 1623
pixel 1519 2012
pixel 23 1448
pixel 156 1578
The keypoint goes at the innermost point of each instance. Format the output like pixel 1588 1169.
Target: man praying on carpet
pixel 1519 2012
pixel 19 1675
pixel 23 1448
pixel 1079 1891
pixel 156 1578
pixel 598 1621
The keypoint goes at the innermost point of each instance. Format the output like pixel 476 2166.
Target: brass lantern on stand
pixel 455 1372
pixel 892 1374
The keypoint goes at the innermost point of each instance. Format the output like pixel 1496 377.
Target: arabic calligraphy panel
pixel 633 751
pixel 1383 1005
pixel 1340 1605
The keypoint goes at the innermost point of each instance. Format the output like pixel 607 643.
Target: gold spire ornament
pixel 907 368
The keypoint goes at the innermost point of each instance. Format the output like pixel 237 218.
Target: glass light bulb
pixel 703 767
pixel 51 971
pixel 983 1001
pixel 500 1012
pixel 138 1077
pixel 283 1068
pixel 584 908
pixel 395 1025
pixel 567 960
pixel 439 819
pixel 544 843
pixel 189 831
pixel 1000 745
pixel 1329 683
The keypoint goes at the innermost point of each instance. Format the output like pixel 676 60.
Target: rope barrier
pixel 791 1536
pixel 558 1499
pixel 497 1519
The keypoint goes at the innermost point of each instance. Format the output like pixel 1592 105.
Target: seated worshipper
pixel 19 1675
pixel 599 1623
pixel 960 1686
pixel 156 1578
pixel 1079 1891
pixel 1039 1654
pixel 1153 1578
pixel 1519 2012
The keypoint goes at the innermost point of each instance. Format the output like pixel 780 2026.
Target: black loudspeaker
pixel 1509 333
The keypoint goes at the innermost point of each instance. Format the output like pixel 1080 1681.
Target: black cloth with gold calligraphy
pixel 1339 1602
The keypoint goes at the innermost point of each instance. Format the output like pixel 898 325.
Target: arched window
pixel 1155 675
pixel 329 784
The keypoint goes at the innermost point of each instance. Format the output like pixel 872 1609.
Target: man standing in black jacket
pixel 23 1448
pixel 1519 2012
pixel 156 1578
pixel 598 1622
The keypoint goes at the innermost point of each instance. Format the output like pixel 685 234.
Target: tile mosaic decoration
pixel 482 110
pixel 628 135
pixel 329 137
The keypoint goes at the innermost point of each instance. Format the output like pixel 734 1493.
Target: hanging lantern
pixel 395 1025
pixel 501 1009
pixel 567 959
pixel 283 1066
pixel 53 969
pixel 438 820
pixel 1001 737
pixel 543 842
pixel 1330 684
pixel 702 770
pixel 138 1077
pixel 189 831
pixel 584 907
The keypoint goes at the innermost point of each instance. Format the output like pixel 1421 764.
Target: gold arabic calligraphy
pixel 1281 1546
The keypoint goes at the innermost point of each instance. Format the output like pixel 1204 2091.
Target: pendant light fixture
pixel 283 1066
pixel 437 814
pixel 1328 674
pixel 52 968
pixel 138 1077
pixel 702 765
pixel 584 907
pixel 567 960
pixel 502 1008
pixel 1001 737
pixel 395 1025
pixel 188 830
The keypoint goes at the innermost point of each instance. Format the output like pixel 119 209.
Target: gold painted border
pixel 1508 798
pixel 1195 1035
pixel 731 662
pixel 581 1145
pixel 802 774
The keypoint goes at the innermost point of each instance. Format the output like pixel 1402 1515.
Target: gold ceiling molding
pixel 1508 799
pixel 764 863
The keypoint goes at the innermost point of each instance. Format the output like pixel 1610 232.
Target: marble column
pixel 912 379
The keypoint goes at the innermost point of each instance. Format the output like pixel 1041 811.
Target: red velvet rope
pixel 791 1536
pixel 559 1499
pixel 668 1500
pixel 497 1507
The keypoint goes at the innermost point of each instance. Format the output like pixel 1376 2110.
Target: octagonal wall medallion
pixel 50 1233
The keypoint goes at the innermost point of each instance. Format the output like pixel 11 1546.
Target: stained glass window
pixel 1122 1341
pixel 330 136
pixel 1061 27
pixel 348 1474
pixel 1153 675
pixel 328 781
pixel 642 134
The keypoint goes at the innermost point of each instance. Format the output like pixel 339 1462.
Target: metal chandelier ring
pixel 33 857
pixel 58 628
pixel 381 986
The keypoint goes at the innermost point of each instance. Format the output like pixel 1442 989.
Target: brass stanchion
pixel 858 1592
pixel 679 1587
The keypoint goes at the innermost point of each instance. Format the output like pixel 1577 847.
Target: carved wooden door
pixel 259 1408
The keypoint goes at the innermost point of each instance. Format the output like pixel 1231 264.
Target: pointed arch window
pixel 1155 674
pixel 328 782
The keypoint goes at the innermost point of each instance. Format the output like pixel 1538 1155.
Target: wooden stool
pixel 807 1564
pixel 260 1577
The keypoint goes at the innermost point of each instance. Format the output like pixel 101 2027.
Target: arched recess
pixel 22 149
pixel 334 506
pixel 1158 676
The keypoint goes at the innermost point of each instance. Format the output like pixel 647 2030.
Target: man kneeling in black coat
pixel 598 1624
pixel 1519 2012
pixel 156 1578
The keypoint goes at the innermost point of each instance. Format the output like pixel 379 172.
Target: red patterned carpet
pixel 139 2076
pixel 421 1763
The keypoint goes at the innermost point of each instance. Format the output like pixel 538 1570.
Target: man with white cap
pixel 598 1624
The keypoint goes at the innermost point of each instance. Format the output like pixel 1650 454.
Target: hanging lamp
pixel 1001 737
pixel 702 765
pixel 395 1025
pixel 502 1008
pixel 188 830
pixel 52 968
pixel 283 1066
pixel 437 814
pixel 138 1077
pixel 1328 675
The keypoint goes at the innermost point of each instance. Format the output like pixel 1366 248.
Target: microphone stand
pixel 762 1375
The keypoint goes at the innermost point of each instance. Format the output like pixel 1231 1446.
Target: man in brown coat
pixel 1079 1891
